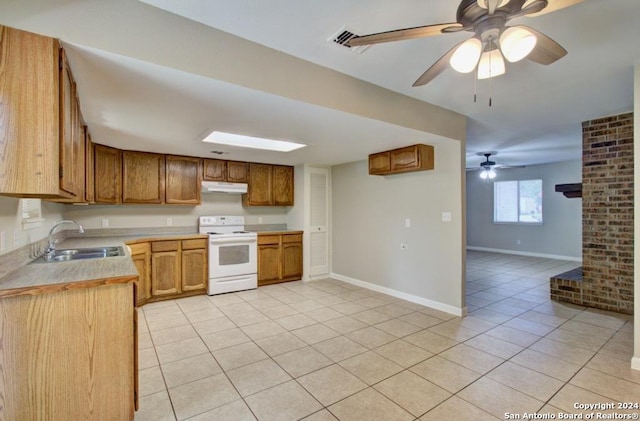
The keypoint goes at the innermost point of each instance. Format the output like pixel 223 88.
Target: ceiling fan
pixel 492 41
pixel 488 167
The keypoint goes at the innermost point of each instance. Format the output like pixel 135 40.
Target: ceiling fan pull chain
pixel 475 87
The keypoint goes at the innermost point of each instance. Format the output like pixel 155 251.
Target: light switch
pixel 105 223
pixel 407 223
pixel 446 216
pixel 169 222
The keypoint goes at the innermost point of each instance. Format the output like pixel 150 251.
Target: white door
pixel 319 222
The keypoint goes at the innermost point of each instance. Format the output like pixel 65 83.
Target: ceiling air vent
pixel 343 36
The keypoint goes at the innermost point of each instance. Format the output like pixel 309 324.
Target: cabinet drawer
pixel 139 248
pixel 268 239
pixel 158 246
pixel 292 238
pixel 196 243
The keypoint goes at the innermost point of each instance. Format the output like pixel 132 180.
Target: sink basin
pixel 66 255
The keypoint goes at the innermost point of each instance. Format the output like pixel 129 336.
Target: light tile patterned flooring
pixel 327 350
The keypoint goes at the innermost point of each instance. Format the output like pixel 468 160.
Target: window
pixel 518 202
pixel 31 213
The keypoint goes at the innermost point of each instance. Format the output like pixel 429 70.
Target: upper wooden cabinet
pixel 411 158
pixel 269 185
pixel 107 174
pixel 221 170
pixel 143 177
pixel 237 172
pixel 182 184
pixel 40 155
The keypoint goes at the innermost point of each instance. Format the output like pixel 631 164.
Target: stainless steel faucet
pixel 49 252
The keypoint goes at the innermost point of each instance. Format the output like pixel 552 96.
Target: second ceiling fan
pixel 492 42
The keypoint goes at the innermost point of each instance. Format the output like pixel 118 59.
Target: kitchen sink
pixel 65 255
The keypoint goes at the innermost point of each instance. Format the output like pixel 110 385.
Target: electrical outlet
pixel 169 222
pixel 259 220
pixel 446 216
pixel 105 223
pixel 518 242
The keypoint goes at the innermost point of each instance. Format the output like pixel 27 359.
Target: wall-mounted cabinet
pixel 228 171
pixel 41 144
pixel 107 174
pixel 182 184
pixel 143 179
pixel 402 160
pixel 269 185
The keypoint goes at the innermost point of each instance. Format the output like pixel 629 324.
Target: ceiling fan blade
pixel 437 68
pixel 552 6
pixel 402 34
pixel 546 51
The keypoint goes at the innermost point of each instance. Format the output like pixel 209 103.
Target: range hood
pixel 222 187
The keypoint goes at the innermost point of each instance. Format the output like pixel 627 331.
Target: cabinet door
pixel 268 263
pixel 237 172
pixel 142 177
pixel 182 180
pixel 260 185
pixel 215 170
pixel 194 269
pixel 404 158
pixel 68 137
pixel 107 174
pixel 291 261
pixel 89 174
pixel 282 192
pixel 165 273
pixel 141 256
pixel 379 163
pixel 30 133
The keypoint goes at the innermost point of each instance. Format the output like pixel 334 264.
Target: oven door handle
pixel 233 240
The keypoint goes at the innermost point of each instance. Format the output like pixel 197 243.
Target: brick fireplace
pixel 606 280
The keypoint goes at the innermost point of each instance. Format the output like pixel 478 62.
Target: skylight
pixel 231 139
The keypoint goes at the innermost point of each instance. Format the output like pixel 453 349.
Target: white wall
pixel 368 227
pixel 11 223
pixel 145 216
pixel 560 235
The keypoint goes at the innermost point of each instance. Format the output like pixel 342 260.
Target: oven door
pixel 230 256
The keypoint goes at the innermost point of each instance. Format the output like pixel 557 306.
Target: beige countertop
pixel 278 232
pixel 38 278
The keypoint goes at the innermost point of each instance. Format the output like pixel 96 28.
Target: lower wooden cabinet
pixel 141 256
pixel 194 265
pixel 175 268
pixel 165 268
pixel 279 257
pixel 70 354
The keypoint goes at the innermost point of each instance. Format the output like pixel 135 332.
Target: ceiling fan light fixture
pixel 516 43
pixel 485 3
pixel 491 64
pixel 488 173
pixel 466 56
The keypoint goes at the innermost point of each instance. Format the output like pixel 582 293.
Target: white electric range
pixel 233 254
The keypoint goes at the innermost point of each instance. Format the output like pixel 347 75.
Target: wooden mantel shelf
pixel 570 190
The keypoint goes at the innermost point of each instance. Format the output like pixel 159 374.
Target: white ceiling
pixel 535 116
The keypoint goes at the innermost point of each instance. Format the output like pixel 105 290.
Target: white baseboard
pixel 635 363
pixel 456 311
pixel 526 253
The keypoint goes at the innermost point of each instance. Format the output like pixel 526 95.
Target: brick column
pixel 607 213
